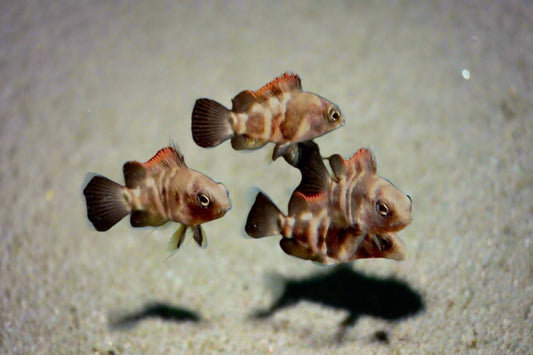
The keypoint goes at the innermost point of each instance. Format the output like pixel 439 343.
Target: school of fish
pixel 333 218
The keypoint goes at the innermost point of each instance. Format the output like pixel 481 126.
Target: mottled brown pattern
pixel 255 125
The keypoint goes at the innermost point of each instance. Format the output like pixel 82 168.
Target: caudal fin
pixel 211 123
pixel 263 219
pixel 105 202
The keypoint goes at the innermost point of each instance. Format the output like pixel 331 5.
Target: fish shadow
pixel 344 289
pixel 164 311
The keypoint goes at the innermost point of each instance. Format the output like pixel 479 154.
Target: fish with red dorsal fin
pixel 356 194
pixel 335 219
pixel 162 189
pixel 280 112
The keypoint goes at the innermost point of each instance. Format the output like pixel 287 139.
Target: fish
pixel 336 218
pixel 160 190
pixel 309 234
pixel 356 195
pixel 280 112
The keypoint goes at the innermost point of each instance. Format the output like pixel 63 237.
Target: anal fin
pixel 241 142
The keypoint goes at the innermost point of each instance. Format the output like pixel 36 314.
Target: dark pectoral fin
pixel 199 236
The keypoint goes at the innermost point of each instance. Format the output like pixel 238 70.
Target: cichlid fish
pixel 356 195
pixel 335 219
pixel 308 232
pixel 280 112
pixel 162 189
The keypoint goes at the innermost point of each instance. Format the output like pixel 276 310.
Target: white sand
pixel 88 86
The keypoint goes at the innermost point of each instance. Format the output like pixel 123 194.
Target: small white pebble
pixel 466 74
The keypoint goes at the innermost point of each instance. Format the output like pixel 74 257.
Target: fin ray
pixel 263 219
pixel 211 123
pixel 315 175
pixel 106 204
pixel 284 83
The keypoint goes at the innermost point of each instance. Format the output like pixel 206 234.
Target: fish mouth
pixel 222 211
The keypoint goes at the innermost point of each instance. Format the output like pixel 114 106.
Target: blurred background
pixel 439 90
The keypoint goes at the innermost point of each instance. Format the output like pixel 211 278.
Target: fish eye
pixel 382 209
pixel 334 114
pixel 203 200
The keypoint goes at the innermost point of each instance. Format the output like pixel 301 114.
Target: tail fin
pixel 263 219
pixel 105 202
pixel 211 123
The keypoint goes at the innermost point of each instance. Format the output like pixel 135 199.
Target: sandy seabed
pixel 440 90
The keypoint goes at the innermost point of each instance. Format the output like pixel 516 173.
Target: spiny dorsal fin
pixel 364 160
pixel 168 157
pixel 285 82
pixel 135 172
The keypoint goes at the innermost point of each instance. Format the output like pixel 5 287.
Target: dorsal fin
pixel 135 172
pixel 243 101
pixel 364 160
pixel 315 176
pixel 284 83
pixel 167 157
pixel 337 164
pixel 300 202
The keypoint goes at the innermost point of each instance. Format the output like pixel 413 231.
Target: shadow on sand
pixel 152 310
pixel 360 295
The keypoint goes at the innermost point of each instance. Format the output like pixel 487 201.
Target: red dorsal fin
pixel 300 202
pixel 168 157
pixel 284 83
pixel 135 172
pixel 364 160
